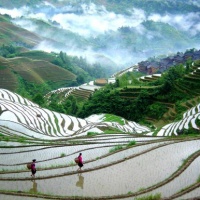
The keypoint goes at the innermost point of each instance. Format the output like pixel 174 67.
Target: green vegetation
pixel 198 180
pixel 161 7
pixel 14 138
pixel 162 99
pixel 120 147
pixel 19 3
pixel 112 131
pixel 71 163
pixel 116 148
pixel 131 143
pixel 130 192
pixel 92 133
pixel 28 76
pixel 22 139
pixel 77 65
pixel 62 155
pixel 68 106
pixel 198 122
pixel 129 79
pixel 150 197
pixel 8 51
pixel 113 118
pixel 2 67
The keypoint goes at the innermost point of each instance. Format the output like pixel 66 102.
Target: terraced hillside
pixel 183 94
pixel 12 34
pixel 34 71
pixel 127 164
pixel 81 93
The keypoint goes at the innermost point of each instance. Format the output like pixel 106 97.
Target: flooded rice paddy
pixel 138 170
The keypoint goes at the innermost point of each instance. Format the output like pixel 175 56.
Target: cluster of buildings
pixel 161 65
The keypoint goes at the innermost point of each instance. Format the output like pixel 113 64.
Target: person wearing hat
pixel 33 168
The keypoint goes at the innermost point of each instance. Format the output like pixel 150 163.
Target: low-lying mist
pixel 100 35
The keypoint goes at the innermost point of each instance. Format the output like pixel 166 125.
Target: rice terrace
pixel 115 82
pixel 131 163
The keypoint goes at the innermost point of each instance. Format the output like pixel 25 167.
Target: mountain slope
pixel 32 71
pixel 11 34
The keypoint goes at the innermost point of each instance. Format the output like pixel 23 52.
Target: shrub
pixel 190 131
pixel 150 197
pixel 198 122
pixel 131 143
pixel 62 155
pixel 156 110
pixel 116 148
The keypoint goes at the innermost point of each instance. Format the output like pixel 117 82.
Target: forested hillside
pixel 113 33
pixel 152 6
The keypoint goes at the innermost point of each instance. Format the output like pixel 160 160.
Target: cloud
pixel 23 22
pixel 187 22
pixel 92 20
pixel 13 13
pixel 47 47
pixel 90 55
pixel 96 21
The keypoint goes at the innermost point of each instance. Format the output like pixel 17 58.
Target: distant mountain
pixel 123 32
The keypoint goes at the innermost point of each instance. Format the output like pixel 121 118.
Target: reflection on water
pixel 80 181
pixel 34 187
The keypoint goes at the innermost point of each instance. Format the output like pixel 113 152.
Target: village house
pixel 151 67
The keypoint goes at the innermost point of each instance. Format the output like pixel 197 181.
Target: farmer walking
pixel 33 168
pixel 80 161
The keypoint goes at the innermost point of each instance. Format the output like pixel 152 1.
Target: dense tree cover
pixel 151 102
pixel 7 51
pixel 68 106
pixel 32 91
pixel 148 103
pixel 109 101
pixel 168 91
pixel 150 6
pixel 79 66
pixel 105 101
pixel 35 93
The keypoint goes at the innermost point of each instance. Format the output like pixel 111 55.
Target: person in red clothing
pixel 33 168
pixel 80 161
